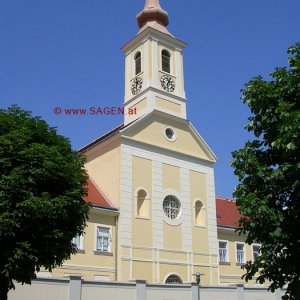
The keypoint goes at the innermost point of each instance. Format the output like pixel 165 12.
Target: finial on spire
pixel 153 15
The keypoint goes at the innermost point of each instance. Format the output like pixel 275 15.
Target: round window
pixel 171 207
pixel 170 134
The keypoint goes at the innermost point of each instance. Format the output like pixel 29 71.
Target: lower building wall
pixel 74 288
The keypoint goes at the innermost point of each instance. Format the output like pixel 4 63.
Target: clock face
pixel 167 83
pixel 136 85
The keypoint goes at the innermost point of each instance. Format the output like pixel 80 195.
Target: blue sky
pixel 67 53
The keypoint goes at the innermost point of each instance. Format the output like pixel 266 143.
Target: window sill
pixel 240 264
pixel 105 253
pixel 80 251
pixel 224 263
pixel 200 226
pixel 142 218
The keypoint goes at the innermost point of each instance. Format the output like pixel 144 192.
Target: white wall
pixel 73 288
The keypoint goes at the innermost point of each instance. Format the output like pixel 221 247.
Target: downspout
pixel 116 247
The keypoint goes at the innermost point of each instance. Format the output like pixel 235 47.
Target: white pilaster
pixel 157 204
pixel 186 214
pixel 126 197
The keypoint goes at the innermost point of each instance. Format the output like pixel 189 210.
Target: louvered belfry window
pixel 165 58
pixel 138 63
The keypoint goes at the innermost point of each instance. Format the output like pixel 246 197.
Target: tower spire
pixel 153 16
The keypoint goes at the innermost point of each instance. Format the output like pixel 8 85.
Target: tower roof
pixel 153 16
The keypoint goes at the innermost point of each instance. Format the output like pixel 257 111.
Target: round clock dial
pixel 167 83
pixel 136 85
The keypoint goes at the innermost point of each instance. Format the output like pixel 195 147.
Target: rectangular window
pixel 78 241
pixel 240 253
pixel 103 241
pixel 255 251
pixel 223 253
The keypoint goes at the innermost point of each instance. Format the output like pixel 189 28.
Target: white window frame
pixel 236 252
pixel 203 209
pixel 80 247
pixel 109 238
pixel 147 199
pixel 227 251
pixel 171 60
pixel 255 245
pixel 174 137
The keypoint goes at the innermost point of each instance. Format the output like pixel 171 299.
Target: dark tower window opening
pixel 138 63
pixel 165 58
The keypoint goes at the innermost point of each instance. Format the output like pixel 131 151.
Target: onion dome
pixel 153 16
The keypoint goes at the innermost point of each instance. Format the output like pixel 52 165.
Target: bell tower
pixel 154 67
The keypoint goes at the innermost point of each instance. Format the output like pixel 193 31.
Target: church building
pixel 155 215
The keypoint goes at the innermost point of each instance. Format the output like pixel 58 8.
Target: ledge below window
pixel 80 251
pixel 240 264
pixel 97 252
pixel 224 263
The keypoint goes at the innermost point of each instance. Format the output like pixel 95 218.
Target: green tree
pixel 268 169
pixel 42 182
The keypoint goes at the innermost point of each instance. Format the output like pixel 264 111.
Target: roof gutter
pixel 105 210
pixel 227 228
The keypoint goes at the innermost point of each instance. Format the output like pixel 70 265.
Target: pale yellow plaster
pixel 231 272
pixel 171 177
pixel 142 270
pixel 172 237
pixel 139 106
pixel 103 166
pixel 168 105
pixel 167 269
pixel 152 132
pixel 88 258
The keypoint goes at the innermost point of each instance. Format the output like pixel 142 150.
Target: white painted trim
pixel 227 250
pixel 174 193
pixel 157 209
pixel 187 226
pixel 87 268
pixel 174 137
pixel 126 198
pixel 81 242
pixel 155 35
pixel 110 237
pixel 252 252
pixel 168 156
pixel 244 249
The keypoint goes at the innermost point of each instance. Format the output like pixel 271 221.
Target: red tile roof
pixel 96 197
pixel 227 213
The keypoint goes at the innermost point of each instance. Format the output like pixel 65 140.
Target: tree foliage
pixel 268 168
pixel 42 182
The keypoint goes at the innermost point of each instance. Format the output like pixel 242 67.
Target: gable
pixel 151 130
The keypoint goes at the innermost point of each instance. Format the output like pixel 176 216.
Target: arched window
pixel 174 279
pixel 199 213
pixel 138 62
pixel 165 60
pixel 142 204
